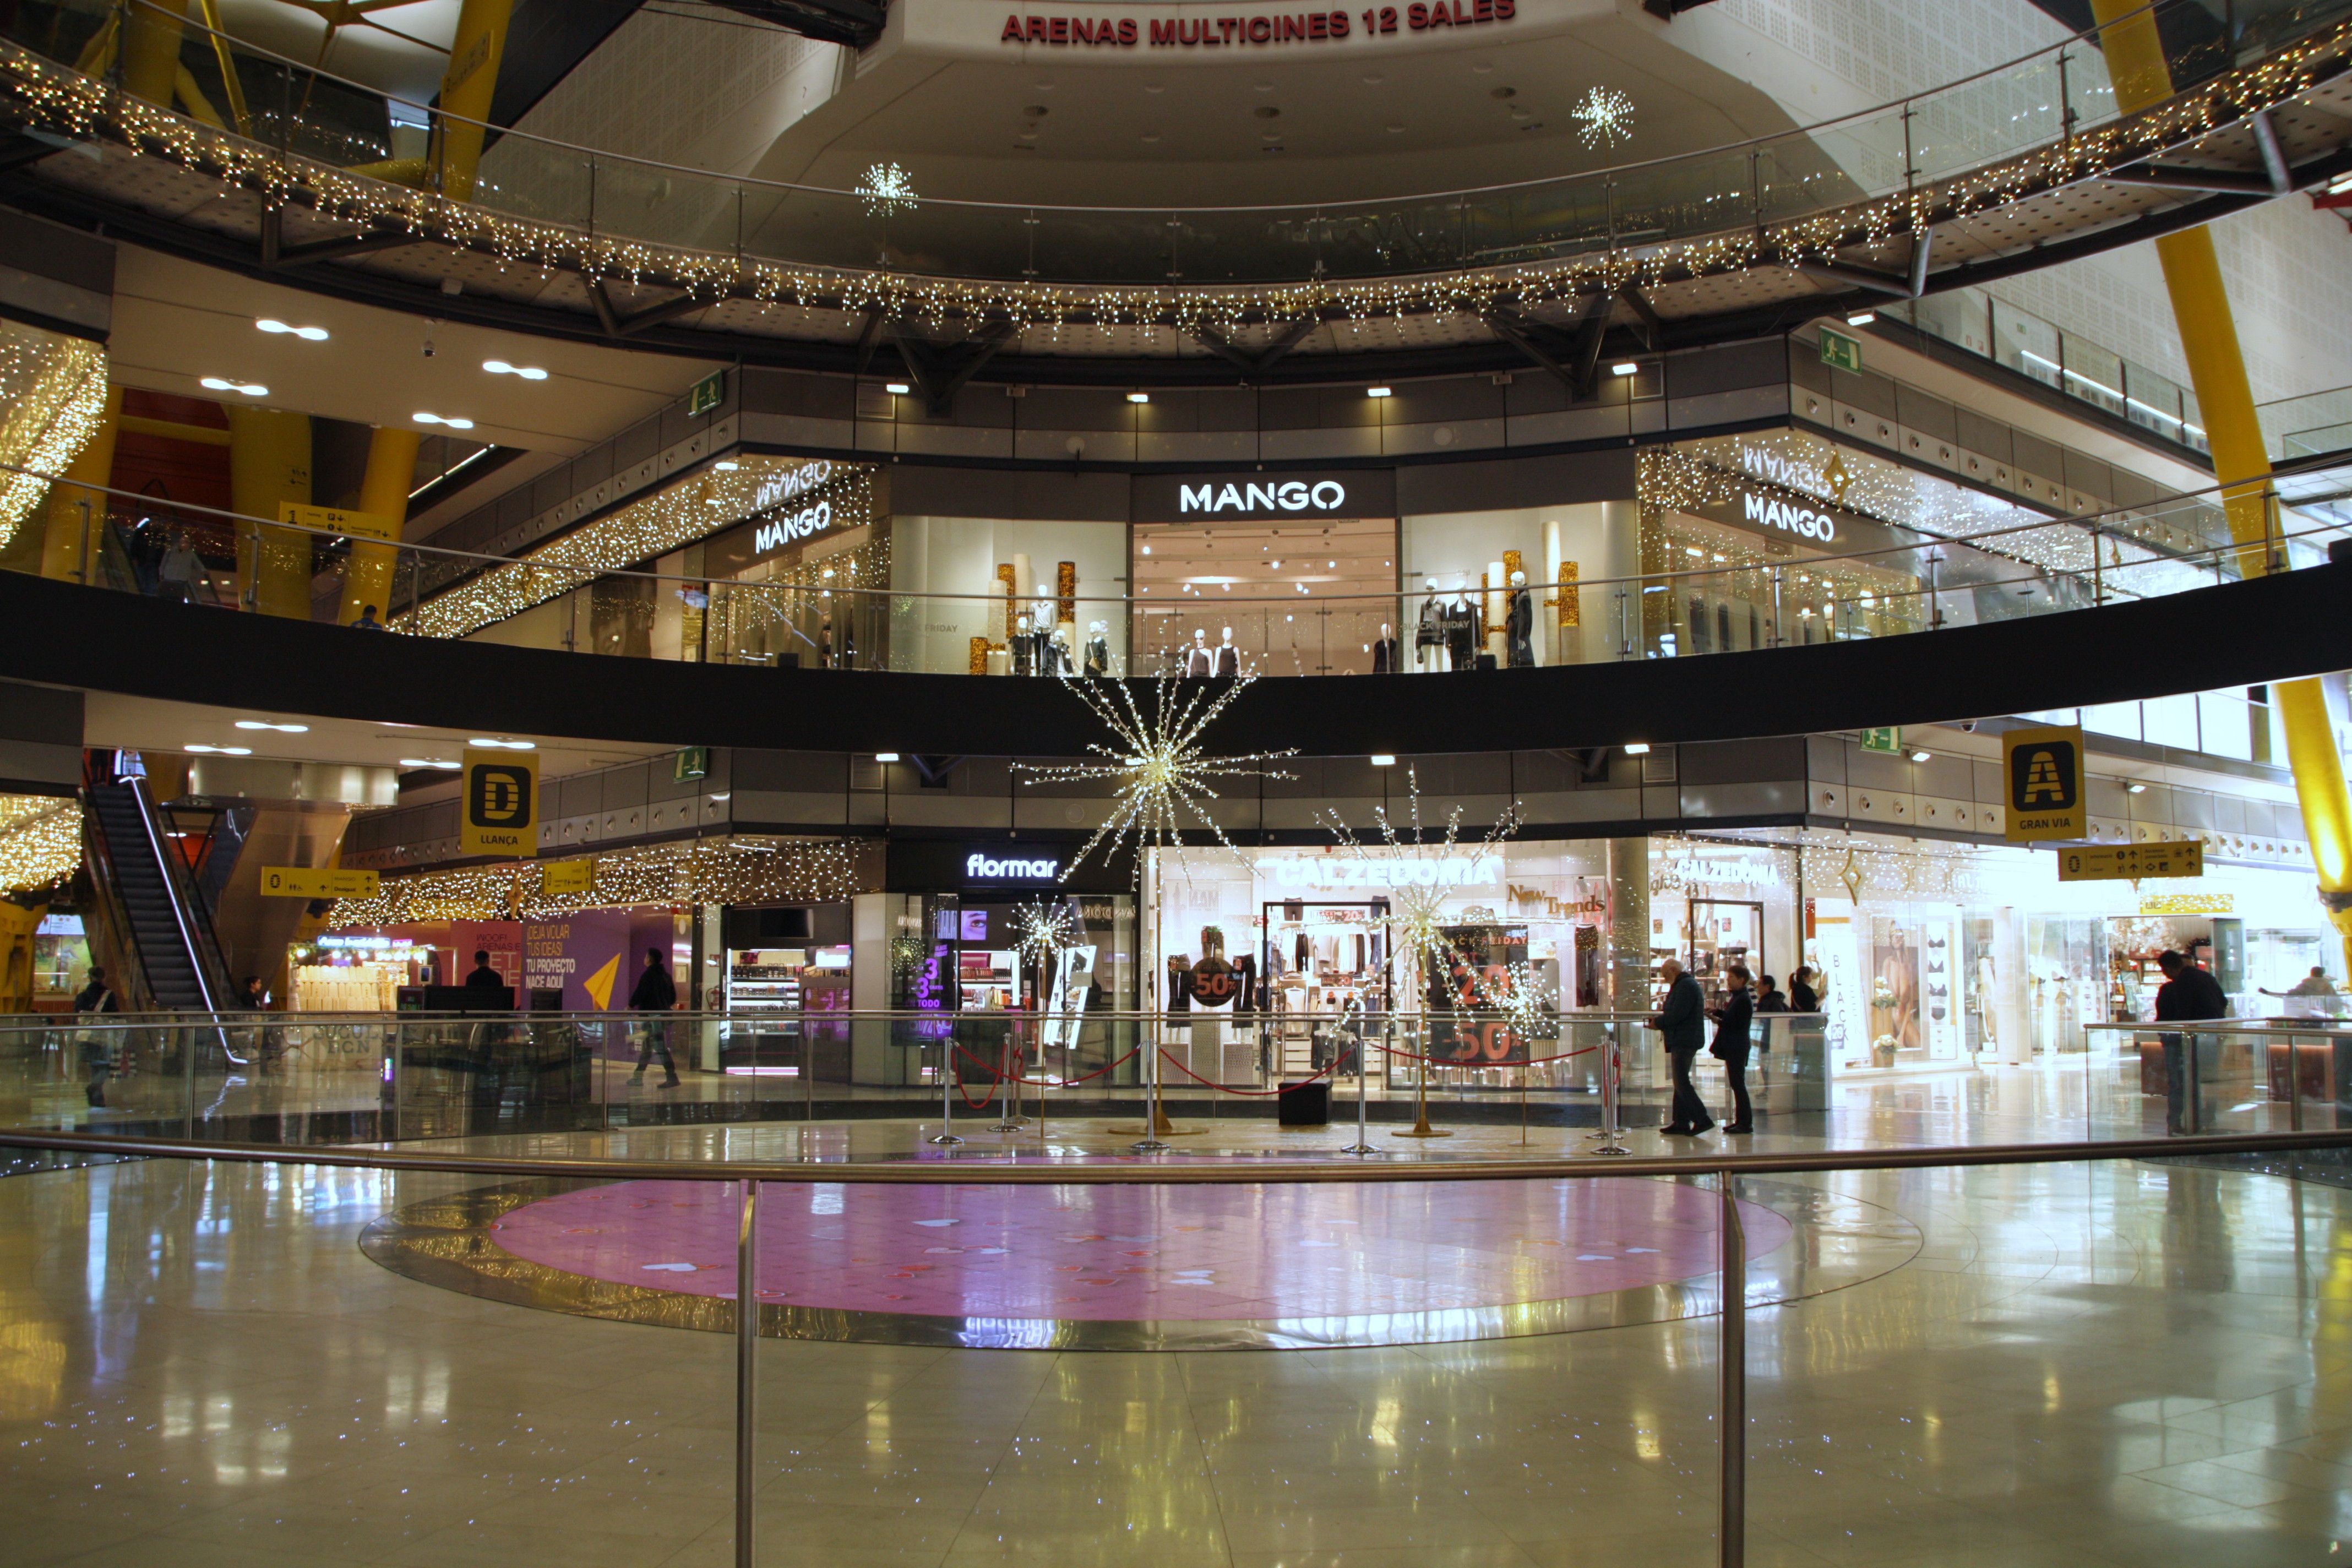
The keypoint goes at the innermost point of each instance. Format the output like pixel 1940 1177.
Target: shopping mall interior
pixel 893 783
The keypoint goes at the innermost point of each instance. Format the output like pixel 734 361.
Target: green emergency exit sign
pixel 711 391
pixel 1840 350
pixel 1888 738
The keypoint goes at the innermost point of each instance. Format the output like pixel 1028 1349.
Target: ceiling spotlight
pixel 1624 367
pixel 452 424
pixel 1377 392
pixel 1139 397
pixel 896 388
pixel 1383 760
pixel 1918 756
pixel 501 367
pixel 250 389
pixel 726 466
pixel 886 756
pixel 309 335
pixel 427 763
pixel 1861 318
pixel 504 745
pixel 1638 749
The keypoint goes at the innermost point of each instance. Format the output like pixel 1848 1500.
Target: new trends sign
pixel 1255 496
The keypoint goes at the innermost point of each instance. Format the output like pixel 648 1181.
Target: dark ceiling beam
pixel 2166 178
pixel 853 23
pixel 1253 365
pixel 616 325
pixel 941 370
pixel 277 253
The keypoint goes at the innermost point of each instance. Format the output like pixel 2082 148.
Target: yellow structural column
pixel 269 464
pixel 72 506
pixel 384 492
pixel 151 50
pixel 465 93
pixel 2209 339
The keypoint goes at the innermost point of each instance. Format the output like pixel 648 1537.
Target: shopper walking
pixel 2188 993
pixel 97 1046
pixel 1682 1021
pixel 656 993
pixel 1731 1021
pixel 181 570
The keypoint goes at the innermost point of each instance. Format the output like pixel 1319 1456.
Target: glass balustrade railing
pixel 1696 600
pixel 352 147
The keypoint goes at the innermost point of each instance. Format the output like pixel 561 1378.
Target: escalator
pixel 162 937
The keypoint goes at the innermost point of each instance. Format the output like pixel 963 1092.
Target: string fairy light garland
pixel 54 388
pixel 724 872
pixel 40 842
pixel 56 98
pixel 642 531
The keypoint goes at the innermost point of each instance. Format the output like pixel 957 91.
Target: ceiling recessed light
pixel 1376 392
pixel 1638 749
pixel 896 388
pixel 1383 760
pixel 886 756
pixel 309 335
pixel 1918 756
pixel 501 367
pixel 1139 397
pixel 504 745
pixel 427 763
pixel 250 389
pixel 1861 318
pixel 452 424
pixel 1624 367
pixel 2136 789
pixel 266 724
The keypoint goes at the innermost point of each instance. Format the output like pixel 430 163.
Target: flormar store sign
pixel 1249 31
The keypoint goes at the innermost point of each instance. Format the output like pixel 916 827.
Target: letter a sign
pixel 500 804
pixel 2042 770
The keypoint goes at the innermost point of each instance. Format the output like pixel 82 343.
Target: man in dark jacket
pixel 1682 1021
pixel 2188 993
pixel 97 1046
pixel 1731 1021
pixel 654 993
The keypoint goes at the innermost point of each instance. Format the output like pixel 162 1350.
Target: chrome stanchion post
pixel 947 1090
pixel 1008 1055
pixel 1732 1404
pixel 2293 1086
pixel 747 1371
pixel 1151 1142
pixel 1610 1119
pixel 2193 1095
pixel 1362 1145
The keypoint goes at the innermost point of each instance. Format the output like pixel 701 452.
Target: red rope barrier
pixel 1045 1082
pixel 1458 1062
pixel 1254 1093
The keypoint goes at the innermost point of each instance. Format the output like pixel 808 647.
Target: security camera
pixel 1969 725
pixel 429 350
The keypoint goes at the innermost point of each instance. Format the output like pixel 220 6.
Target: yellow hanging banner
pixel 2042 772
pixel 499 804
pixel 302 882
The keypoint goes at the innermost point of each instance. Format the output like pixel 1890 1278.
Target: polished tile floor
pixel 2083 1365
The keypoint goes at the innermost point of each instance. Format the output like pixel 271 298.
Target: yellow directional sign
pixel 335 519
pixel 562 878
pixel 2042 772
pixel 499 804
pixel 2131 862
pixel 301 882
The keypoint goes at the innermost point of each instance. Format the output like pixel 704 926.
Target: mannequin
pixel 1384 653
pixel 1057 649
pixel 1228 658
pixel 1024 645
pixel 1099 648
pixel 1199 663
pixel 1429 636
pixel 1461 619
pixel 1519 624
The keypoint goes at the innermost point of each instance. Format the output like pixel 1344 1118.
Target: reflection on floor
pixel 2083 1365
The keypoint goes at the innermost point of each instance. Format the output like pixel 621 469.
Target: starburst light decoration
pixel 1044 931
pixel 1163 774
pixel 888 190
pixel 1604 117
pixel 1397 857
pixel 1520 997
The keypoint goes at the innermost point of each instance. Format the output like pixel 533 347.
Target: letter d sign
pixel 501 805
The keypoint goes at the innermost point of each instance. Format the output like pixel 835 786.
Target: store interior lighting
pixel 308 334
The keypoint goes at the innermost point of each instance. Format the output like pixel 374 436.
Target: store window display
pixel 1516 587
pixel 1006 596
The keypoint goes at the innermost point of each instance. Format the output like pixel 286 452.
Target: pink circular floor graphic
pixel 1162 1254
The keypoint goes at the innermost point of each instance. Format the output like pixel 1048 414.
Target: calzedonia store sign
pixel 1259 495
